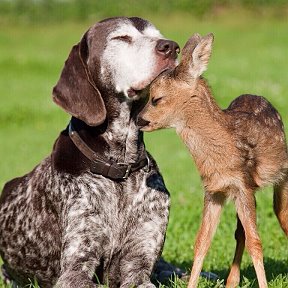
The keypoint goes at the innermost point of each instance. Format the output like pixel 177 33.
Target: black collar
pixel 106 168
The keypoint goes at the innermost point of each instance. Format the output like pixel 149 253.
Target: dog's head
pixel 119 56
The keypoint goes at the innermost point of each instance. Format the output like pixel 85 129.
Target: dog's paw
pixel 165 272
pixel 210 276
pixel 6 278
pixel 146 285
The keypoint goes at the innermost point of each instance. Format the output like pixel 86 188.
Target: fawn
pixel 236 150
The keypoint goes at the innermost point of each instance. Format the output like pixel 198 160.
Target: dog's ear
pixel 76 92
pixel 195 56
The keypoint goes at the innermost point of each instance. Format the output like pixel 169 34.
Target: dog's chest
pixel 113 204
pixel 122 136
pixel 96 193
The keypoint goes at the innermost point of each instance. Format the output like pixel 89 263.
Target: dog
pixel 95 211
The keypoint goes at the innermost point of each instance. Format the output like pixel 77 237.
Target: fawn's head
pixel 171 91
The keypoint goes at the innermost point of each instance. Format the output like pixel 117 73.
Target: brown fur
pixel 236 150
pixel 66 225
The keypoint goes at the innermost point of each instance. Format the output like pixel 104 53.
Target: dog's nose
pixel 167 48
pixel 142 122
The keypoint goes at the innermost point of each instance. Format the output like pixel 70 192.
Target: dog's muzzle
pixel 167 48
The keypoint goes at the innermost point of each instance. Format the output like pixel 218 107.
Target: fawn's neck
pixel 206 135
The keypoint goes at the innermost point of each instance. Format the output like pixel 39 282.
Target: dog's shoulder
pixel 36 177
pixel 11 186
pixel 66 158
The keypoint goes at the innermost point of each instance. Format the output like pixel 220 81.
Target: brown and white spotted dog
pixel 96 209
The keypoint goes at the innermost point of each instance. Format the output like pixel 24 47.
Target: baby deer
pixel 237 150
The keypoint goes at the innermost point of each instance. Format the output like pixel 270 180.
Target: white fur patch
pixel 130 65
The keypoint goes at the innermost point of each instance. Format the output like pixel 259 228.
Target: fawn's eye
pixel 124 38
pixel 155 101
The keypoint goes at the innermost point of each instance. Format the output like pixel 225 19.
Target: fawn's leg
pixel 234 275
pixel 281 204
pixel 246 209
pixel 213 204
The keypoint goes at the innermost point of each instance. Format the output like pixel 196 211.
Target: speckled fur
pixel 64 225
pixel 67 227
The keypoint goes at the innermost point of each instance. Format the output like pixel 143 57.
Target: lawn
pixel 249 56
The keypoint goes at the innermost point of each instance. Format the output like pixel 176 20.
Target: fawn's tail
pixel 281 204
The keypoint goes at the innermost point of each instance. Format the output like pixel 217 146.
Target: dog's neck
pixel 122 135
pixel 118 135
pixel 118 139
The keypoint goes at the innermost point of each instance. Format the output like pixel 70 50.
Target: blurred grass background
pixel 249 56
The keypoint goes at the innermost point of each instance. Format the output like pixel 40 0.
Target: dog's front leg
pixel 146 232
pixel 82 244
pixel 73 279
pixel 75 272
pixel 140 255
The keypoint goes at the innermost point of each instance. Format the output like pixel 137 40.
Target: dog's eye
pixel 124 38
pixel 155 101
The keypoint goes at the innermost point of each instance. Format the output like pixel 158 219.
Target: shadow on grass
pixel 273 268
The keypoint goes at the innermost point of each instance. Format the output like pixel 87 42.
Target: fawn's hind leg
pixel 281 204
pixel 246 209
pixel 234 275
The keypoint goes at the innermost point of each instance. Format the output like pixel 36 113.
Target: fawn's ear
pixel 76 92
pixel 201 56
pixel 195 55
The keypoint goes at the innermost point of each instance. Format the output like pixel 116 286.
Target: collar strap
pixel 112 170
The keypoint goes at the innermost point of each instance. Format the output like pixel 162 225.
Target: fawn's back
pixel 259 135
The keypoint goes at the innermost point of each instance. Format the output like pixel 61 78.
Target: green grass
pixel 250 55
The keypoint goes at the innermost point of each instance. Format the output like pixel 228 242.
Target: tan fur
pixel 236 150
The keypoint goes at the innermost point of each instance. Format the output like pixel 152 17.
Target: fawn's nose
pixel 142 122
pixel 167 48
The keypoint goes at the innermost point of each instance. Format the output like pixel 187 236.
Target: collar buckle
pixel 128 169
pixel 147 168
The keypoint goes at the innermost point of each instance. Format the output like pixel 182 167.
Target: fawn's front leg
pixel 213 204
pixel 246 209
pixel 234 275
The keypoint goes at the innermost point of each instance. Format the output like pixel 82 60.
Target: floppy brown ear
pixel 76 92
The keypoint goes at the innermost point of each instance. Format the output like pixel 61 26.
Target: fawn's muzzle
pixel 142 122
